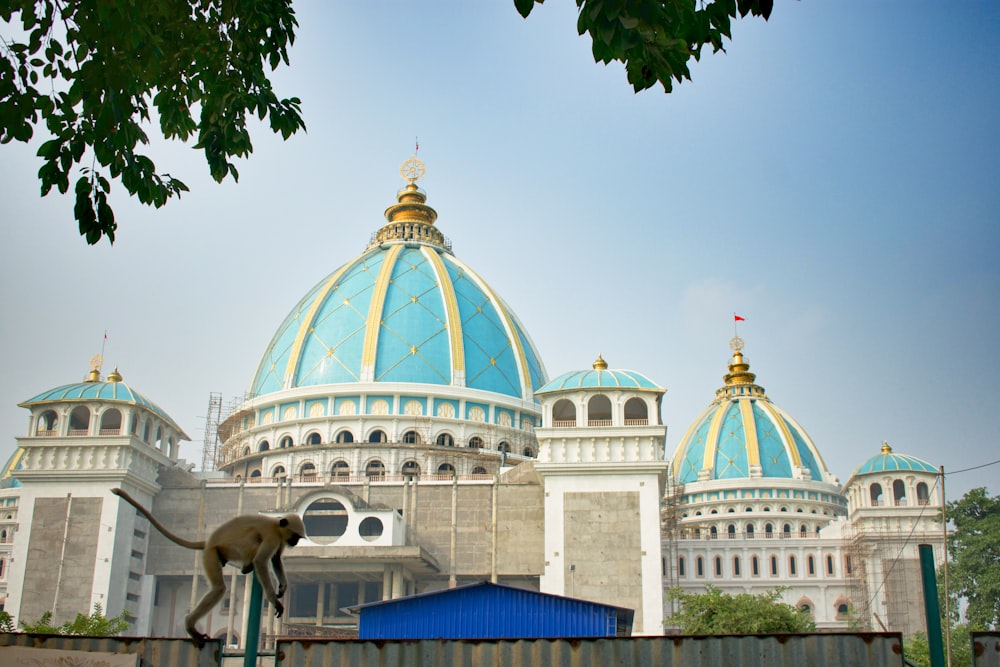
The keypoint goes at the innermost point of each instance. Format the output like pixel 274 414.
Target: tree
pixel 93 73
pixel 655 40
pixel 974 546
pixel 917 651
pixel 95 625
pixel 718 613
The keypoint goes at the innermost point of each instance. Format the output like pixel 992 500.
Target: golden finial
pixel 114 376
pixel 886 449
pixel 739 368
pixel 94 375
pixel 600 364
pixel 413 169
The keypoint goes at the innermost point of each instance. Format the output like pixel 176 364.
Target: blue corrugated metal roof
pixel 490 611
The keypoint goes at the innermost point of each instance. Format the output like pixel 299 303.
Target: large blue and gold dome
pixel 405 310
pixel 744 435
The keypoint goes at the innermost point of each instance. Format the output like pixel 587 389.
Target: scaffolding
pixel 669 529
pixel 210 447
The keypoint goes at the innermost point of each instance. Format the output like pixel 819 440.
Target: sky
pixel 834 178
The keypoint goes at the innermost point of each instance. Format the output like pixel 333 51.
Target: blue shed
pixel 490 611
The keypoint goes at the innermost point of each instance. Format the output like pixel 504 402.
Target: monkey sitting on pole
pixel 252 541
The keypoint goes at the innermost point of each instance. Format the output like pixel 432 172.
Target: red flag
pixel 737 318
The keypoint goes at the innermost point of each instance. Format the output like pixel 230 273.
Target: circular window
pixel 325 520
pixel 370 529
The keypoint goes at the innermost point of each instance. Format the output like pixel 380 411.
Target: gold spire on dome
pixel 739 369
pixel 94 375
pixel 410 219
pixel 114 376
pixel 886 449
pixel 600 364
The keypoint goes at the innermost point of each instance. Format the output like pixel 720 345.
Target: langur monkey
pixel 250 540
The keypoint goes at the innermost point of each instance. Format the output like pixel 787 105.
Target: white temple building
pixel 403 410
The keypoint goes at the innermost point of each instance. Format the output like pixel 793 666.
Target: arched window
pixel 345 437
pixel 48 422
pixel 680 566
pixel 307 471
pixel 736 566
pixel 377 436
pixel 314 439
pixel 755 566
pixel 803 530
pixel 899 492
pixel 768 531
pixel 774 566
pixel 479 470
pixel 529 452
pixel 375 468
pixel 410 469
pixel 285 442
pixel 411 438
pixel 563 413
pixel 446 469
pixel 255 474
pixel 111 422
pixel 340 469
pixel 503 447
pixel 246 451
pixel 636 412
pixel 791 566
pixel 700 566
pixel 263 446
pixel 923 497
pixel 718 566
pixel 843 609
pixel 786 530
pixel 714 532
pixel 599 411
pixel 731 530
pixel 810 565
pixel 278 473
pixel 145 432
pixel 445 440
pixel 750 531
pixel 829 564
pixel 79 421
pixel 876 494
pixel 475 442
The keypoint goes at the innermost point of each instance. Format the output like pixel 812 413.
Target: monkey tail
pixel 159 526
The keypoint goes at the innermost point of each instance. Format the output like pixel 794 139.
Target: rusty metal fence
pixel 813 650
pixel 20 648
pixel 985 649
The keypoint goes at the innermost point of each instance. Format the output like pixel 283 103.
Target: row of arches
pixel 378 436
pixel 757 566
pixel 751 531
pixel 111 422
pixel 898 490
pixel 341 469
pixel 599 412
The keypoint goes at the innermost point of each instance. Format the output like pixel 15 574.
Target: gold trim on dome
pixel 374 321
pixel 453 318
pixel 786 434
pixel 712 437
pixel 600 364
pixel 750 432
pixel 306 326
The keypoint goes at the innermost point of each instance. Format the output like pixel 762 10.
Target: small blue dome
pixel 742 434
pixel 7 479
pixel 114 392
pixel 889 461
pixel 600 378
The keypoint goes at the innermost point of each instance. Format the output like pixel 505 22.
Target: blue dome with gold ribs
pixel 742 434
pixel 889 461
pixel 405 310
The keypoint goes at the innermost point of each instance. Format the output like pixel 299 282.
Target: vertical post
pixel 947 593
pixel 931 608
pixel 252 632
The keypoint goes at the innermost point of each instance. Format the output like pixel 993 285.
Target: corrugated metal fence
pixel 134 650
pixel 986 649
pixel 815 650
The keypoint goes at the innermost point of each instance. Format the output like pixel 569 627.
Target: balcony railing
pixel 563 423
pixel 598 422
pixel 637 422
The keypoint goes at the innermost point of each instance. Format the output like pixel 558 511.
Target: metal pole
pixel 931 608
pixel 252 632
pixel 947 593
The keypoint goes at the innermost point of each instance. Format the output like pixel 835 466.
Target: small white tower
pixel 601 461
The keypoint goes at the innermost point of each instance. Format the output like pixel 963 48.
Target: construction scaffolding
pixel 670 529
pixel 221 423
pixel 210 447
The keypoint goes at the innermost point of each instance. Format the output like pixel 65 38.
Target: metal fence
pixel 20 648
pixel 813 650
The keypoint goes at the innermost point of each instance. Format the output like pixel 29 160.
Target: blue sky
pixel 833 178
